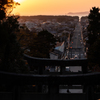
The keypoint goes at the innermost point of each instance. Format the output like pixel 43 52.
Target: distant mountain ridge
pixel 79 13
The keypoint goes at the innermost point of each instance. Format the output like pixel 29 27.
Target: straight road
pixel 76 45
pixel 76 48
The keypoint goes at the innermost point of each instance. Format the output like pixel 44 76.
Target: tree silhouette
pixel 11 55
pixel 94 25
pixel 93 41
pixel 6 7
pixel 41 44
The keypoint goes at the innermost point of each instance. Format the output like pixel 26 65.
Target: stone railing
pixel 17 81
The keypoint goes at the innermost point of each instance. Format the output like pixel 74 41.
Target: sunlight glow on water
pixel 18 1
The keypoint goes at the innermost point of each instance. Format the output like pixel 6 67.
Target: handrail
pixel 54 62
pixel 13 78
pixel 20 79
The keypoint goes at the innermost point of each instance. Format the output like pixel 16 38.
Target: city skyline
pixel 55 7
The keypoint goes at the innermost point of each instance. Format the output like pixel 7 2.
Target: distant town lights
pixel 71 47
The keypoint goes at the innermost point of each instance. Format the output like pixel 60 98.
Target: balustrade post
pixel 84 68
pixel 89 92
pixel 40 70
pixel 53 89
pixel 40 88
pixel 62 70
pixel 16 92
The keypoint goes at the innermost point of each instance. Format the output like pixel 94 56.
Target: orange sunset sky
pixel 54 7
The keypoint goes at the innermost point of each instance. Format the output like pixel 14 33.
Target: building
pixel 59 51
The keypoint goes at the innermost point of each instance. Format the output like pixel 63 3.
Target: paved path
pixel 76 45
pixel 77 48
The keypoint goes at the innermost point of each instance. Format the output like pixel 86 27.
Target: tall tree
pixel 6 7
pixel 94 25
pixel 24 36
pixel 41 44
pixel 93 38
pixel 11 55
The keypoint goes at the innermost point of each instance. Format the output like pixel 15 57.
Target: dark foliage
pixel 11 55
pixel 93 41
pixel 10 51
pixel 42 44
pixel 6 7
